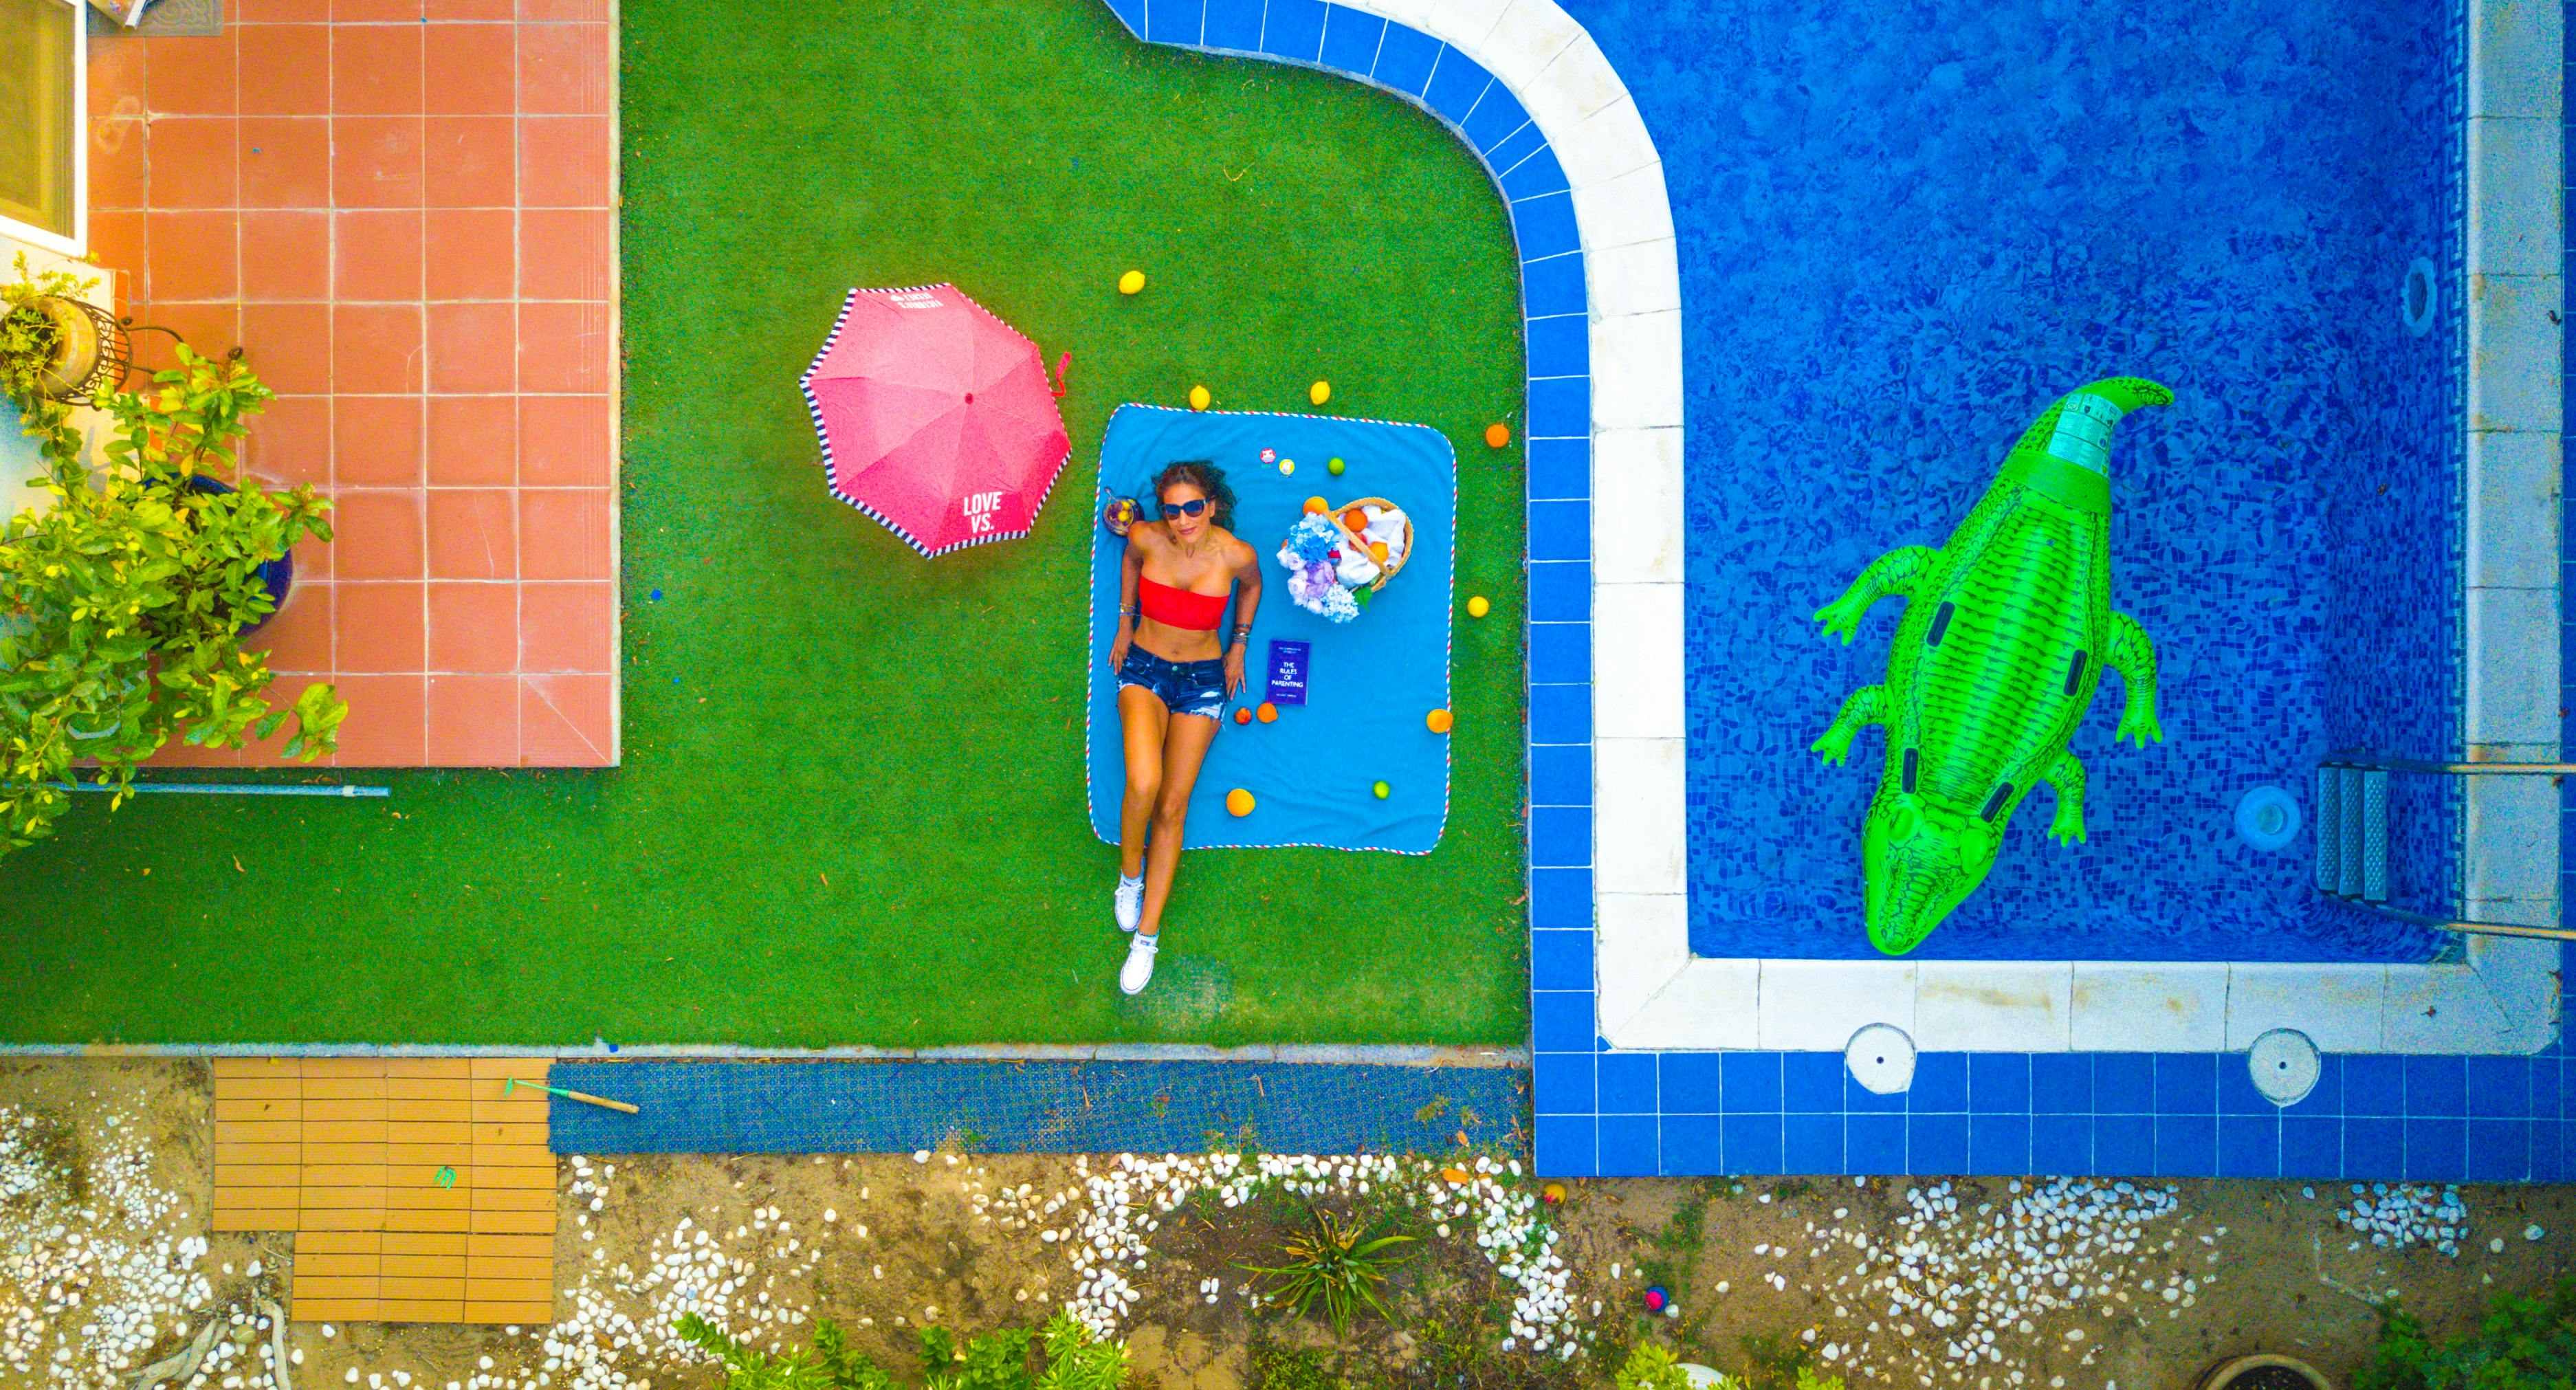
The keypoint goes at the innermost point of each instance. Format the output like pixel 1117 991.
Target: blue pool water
pixel 1904 230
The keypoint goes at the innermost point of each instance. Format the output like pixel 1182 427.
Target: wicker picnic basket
pixel 1360 542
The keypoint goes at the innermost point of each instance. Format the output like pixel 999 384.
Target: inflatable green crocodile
pixel 2005 634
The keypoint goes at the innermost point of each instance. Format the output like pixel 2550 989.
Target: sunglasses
pixel 1174 511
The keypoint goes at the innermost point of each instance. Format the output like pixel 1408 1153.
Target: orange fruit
pixel 1239 802
pixel 1497 435
pixel 1243 716
pixel 1355 519
pixel 1377 551
pixel 1318 504
pixel 1268 712
pixel 1438 720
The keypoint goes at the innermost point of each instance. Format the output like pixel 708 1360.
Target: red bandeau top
pixel 1179 607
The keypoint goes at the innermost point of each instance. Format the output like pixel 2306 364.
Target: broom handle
pixel 584 1097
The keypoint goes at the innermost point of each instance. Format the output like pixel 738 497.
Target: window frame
pixel 43 238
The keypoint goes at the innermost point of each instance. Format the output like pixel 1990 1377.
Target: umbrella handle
pixel 1062 365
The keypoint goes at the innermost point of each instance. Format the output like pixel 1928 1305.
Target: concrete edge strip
pixel 1331 1054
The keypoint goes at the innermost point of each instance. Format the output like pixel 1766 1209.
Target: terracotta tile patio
pixel 404 210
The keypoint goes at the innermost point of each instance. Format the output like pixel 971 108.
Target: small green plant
pixel 123 601
pixel 1335 1262
pixel 2524 1341
pixel 830 1366
pixel 1651 1366
pixel 1000 1360
pixel 1280 1368
pixel 28 337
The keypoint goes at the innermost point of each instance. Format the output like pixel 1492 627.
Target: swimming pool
pixel 1905 233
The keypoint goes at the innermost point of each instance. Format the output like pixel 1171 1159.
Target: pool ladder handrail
pixel 2352 836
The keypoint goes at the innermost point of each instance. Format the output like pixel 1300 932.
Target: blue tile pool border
pixel 1597 1112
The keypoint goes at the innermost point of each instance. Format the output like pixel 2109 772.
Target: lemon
pixel 1320 392
pixel 1131 282
pixel 1477 607
pixel 1381 790
pixel 1199 398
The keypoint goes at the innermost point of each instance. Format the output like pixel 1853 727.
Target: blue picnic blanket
pixel 1370 682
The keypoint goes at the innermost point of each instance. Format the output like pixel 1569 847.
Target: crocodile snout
pixel 1921 862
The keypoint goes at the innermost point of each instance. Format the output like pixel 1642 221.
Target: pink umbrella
pixel 936 418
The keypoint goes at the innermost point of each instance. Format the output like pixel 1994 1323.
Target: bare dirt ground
pixel 104 1183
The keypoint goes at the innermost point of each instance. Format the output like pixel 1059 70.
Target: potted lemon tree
pixel 126 592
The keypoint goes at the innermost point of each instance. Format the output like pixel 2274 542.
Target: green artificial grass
pixel 851 809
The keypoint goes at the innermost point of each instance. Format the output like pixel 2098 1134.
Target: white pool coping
pixel 1653 994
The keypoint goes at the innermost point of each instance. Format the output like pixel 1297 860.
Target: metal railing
pixel 2352 837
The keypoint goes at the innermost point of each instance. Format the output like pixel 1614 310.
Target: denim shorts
pixel 1184 687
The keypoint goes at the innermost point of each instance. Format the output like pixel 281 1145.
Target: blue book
pixel 1287 685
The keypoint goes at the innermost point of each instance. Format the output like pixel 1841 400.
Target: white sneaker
pixel 1139 969
pixel 1128 903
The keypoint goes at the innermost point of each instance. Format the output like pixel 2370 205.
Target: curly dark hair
pixel 1207 478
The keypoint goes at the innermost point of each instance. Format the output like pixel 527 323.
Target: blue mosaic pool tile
pixel 1563 1144
pixel 1563 1081
pixel 1559 468
pixel 1999 1083
pixel 2326 1097
pixel 1544 226
pixel 1752 1082
pixel 1812 1083
pixel 2374 1084
pixel 1693 1082
pixel 1294 29
pixel 1456 85
pixel 1940 1082
pixel 1560 346
pixel 2499 1087
pixel 2249 1145
pixel 1514 146
pixel 1874 1144
pixel 1561 900
pixel 1937 1143
pixel 1537 175
pixel 1560 531
pixel 2124 1082
pixel 1232 24
pixel 1560 836
pixel 1628 1146
pixel 1560 714
pixel 1498 115
pixel 1861 1100
pixel 2374 1149
pixel 1404 60
pixel 1627 1082
pixel 1561 960
pixel 1559 654
pixel 1811 1143
pixel 2061 1083
pixel 1560 591
pixel 1753 1143
pixel 1351 40
pixel 2436 1086
pixel 1693 1144
pixel 1553 286
pixel 1174 21
pixel 2547 1098
pixel 1560 1021
pixel 2186 1146
pixel 2061 1145
pixel 1560 407
pixel 2499 1151
pixel 2124 1145
pixel 2236 1093
pixel 1998 1142
pixel 2311 1147
pixel 2186 1083
pixel 2437 1150
pixel 1560 774
pixel 2547 1164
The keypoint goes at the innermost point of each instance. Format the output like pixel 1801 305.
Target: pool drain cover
pixel 2268 819
pixel 2284 1064
pixel 1881 1058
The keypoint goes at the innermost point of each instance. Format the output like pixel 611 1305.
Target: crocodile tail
pixel 2077 427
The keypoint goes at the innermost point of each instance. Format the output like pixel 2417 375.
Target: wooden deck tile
pixel 346 1153
pixel 415 1068
pixel 278 1084
pixel 422 1310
